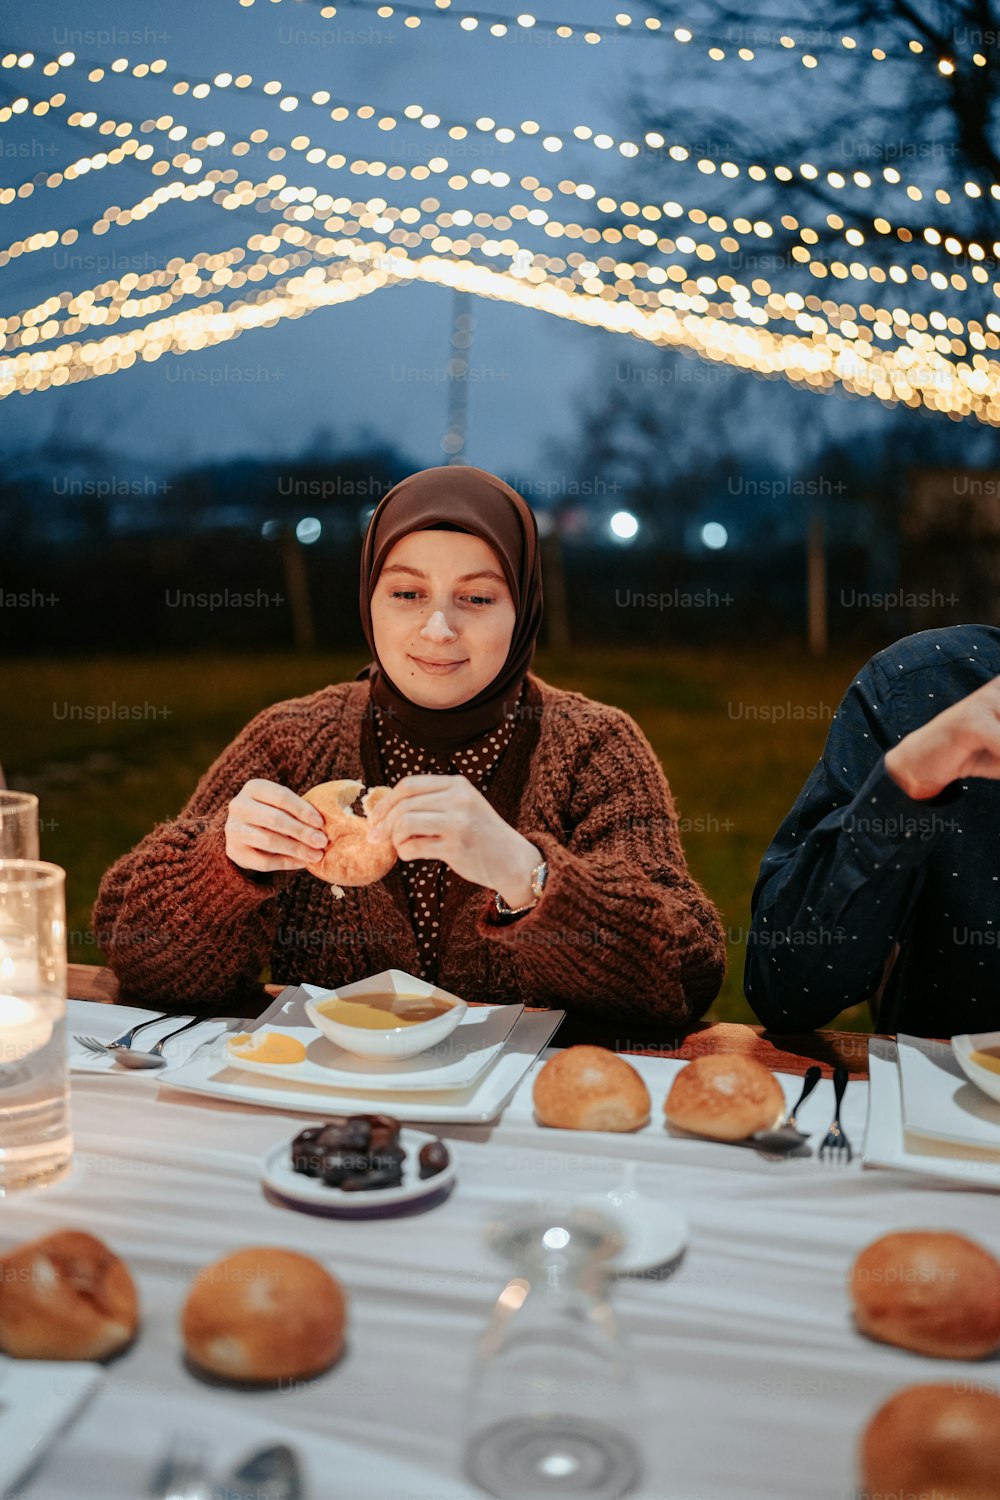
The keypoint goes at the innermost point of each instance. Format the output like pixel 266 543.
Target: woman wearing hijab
pixel 538 853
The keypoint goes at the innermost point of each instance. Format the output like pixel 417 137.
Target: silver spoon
pixel 133 1057
pixel 271 1474
pixel 787 1135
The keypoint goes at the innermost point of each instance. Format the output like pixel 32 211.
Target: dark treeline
pixel 97 555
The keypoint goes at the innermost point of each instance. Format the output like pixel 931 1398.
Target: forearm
pixel 513 881
pixel 829 906
pixel 179 922
pixel 607 936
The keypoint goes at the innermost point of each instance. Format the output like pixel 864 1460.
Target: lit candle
pixel 18 962
pixel 23 1028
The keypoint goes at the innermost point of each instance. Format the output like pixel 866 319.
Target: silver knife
pixel 269 1474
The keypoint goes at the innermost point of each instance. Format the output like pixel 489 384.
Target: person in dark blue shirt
pixel 883 882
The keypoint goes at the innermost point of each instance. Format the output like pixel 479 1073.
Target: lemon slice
pixel 269 1047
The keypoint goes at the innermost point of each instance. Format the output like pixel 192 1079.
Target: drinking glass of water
pixel 18 825
pixel 36 1145
pixel 552 1409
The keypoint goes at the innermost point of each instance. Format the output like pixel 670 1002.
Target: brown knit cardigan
pixel 622 929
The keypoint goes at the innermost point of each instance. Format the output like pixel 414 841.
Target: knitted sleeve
pixel 622 927
pixel 178 920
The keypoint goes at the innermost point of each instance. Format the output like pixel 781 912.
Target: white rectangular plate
pixel 938 1099
pixel 37 1400
pixel 214 1076
pixel 888 1145
pixel 455 1063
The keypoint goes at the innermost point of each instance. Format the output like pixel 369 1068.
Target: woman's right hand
pixel 270 828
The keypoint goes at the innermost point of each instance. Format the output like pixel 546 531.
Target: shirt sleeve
pixel 622 927
pixel 178 920
pixel 839 882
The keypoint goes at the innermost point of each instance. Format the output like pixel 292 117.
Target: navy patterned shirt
pixel 860 879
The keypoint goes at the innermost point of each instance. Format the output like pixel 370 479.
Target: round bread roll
pixel 934 1440
pixel 349 859
pixel 590 1088
pixel 66 1296
pixel 264 1315
pixel 725 1096
pixel 933 1292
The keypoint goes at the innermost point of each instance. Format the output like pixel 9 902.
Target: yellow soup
pixel 989 1060
pixel 380 1012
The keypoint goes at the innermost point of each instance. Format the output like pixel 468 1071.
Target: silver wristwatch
pixel 539 875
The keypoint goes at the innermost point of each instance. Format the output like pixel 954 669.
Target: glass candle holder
pixel 18 825
pixel 36 1144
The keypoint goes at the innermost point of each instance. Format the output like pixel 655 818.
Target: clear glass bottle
pixel 553 1410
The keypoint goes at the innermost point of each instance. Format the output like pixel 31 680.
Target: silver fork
pixel 835 1145
pixel 133 1057
pixel 125 1040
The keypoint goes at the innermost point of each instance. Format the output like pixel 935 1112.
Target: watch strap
pixel 539 875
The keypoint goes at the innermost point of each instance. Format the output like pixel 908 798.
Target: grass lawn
pixel 736 732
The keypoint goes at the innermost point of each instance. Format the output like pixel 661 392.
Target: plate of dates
pixel 355 1166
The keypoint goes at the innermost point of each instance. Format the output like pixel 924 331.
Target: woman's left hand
pixel 447 818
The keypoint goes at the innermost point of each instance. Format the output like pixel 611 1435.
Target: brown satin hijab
pixel 457 497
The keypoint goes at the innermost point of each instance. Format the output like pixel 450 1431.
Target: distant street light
pixel 714 535
pixel 308 530
pixel 623 525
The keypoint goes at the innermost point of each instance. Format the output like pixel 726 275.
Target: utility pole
pixel 297 584
pixel 557 629
pixel 816 580
pixel 462 325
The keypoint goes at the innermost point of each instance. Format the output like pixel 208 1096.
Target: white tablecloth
pixel 754 1383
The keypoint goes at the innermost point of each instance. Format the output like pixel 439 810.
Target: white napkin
pixel 180 1050
pixel 888 1144
pixel 38 1398
pixel 939 1101
pixel 286 1009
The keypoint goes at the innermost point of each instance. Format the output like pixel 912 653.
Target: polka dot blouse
pixel 427 880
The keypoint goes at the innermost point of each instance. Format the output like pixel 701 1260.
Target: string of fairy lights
pixel 130 149
pixel 916 377
pixel 495 24
pixel 355 247
pixel 377 215
pixel 790 305
pixel 302 205
pixel 42 322
pixel 932 234
pixel 530 130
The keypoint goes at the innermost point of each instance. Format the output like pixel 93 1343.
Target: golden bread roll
pixel 725 1096
pixel 938 1441
pixel 66 1296
pixel 264 1315
pixel 930 1291
pixel 349 859
pixel 590 1088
